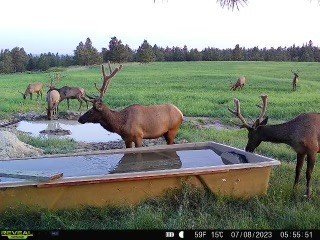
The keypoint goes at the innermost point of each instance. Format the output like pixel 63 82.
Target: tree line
pixel 17 60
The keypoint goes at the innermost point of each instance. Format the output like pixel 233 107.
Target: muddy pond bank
pixel 88 137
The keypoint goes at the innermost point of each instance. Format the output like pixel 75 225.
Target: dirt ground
pixel 198 122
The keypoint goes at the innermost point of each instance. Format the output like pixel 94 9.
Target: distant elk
pixel 301 133
pixel 239 84
pixel 295 80
pixel 31 89
pixel 135 122
pixel 68 92
pixel 53 100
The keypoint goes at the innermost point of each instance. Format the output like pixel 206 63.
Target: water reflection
pixel 233 158
pixel 148 161
pixel 79 132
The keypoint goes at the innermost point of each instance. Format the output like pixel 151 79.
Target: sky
pixel 58 26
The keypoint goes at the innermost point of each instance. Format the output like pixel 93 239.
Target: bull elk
pixel 68 92
pixel 295 80
pixel 31 89
pixel 53 100
pixel 301 133
pixel 135 122
pixel 71 93
pixel 239 84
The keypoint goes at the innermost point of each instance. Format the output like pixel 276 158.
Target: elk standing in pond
pixel 68 92
pixel 295 80
pixel 301 133
pixel 31 89
pixel 71 93
pixel 53 100
pixel 239 84
pixel 135 122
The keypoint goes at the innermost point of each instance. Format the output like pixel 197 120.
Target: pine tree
pixel 145 53
pixel 6 63
pixel 20 59
pixel 237 53
pixel 118 52
pixel 86 54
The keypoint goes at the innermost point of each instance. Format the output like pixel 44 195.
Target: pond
pixel 88 132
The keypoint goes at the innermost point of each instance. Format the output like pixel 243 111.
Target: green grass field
pixel 198 89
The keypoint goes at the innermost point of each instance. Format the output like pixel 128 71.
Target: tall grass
pixel 198 89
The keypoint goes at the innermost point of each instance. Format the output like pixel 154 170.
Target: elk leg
pixel 170 136
pixel 311 158
pixel 300 161
pixel 86 103
pixel 138 142
pixel 299 165
pixel 30 96
pixel 128 143
pixel 80 101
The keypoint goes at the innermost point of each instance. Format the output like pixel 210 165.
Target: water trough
pixel 128 176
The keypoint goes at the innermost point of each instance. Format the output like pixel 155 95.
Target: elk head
pixel 23 95
pixel 254 138
pixel 94 114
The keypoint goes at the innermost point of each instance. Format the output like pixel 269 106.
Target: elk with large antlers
pixel 295 80
pixel 239 84
pixel 31 89
pixel 135 122
pixel 301 133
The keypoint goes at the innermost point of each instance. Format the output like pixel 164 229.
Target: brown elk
pixel 135 122
pixel 71 93
pixel 301 133
pixel 68 92
pixel 53 100
pixel 239 84
pixel 31 89
pixel 295 80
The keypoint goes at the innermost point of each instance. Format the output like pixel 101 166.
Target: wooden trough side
pixel 242 180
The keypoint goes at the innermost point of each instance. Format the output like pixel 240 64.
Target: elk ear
pixel 258 123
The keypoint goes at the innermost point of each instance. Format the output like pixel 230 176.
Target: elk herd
pixel 137 122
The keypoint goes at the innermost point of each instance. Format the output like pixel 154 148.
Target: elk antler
pixel 264 107
pixel 57 77
pixel 238 114
pixel 107 79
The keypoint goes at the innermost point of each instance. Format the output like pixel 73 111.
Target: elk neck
pixel 111 120
pixel 278 133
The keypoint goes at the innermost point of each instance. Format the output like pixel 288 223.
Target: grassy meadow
pixel 199 89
